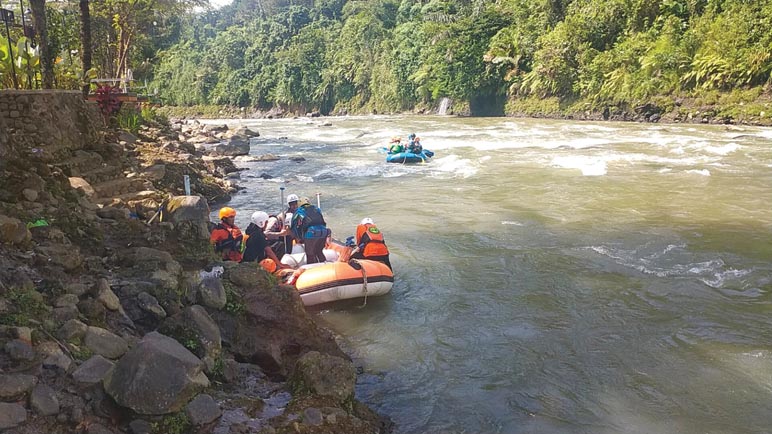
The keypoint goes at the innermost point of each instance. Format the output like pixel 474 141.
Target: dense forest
pixel 489 57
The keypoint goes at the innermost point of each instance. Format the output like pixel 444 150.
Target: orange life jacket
pixel 227 240
pixel 370 241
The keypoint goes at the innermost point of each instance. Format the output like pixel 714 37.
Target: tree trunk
pixel 85 41
pixel 46 61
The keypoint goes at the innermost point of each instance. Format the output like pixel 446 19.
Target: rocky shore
pixel 118 318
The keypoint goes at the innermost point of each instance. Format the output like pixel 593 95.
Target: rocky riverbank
pixel 115 318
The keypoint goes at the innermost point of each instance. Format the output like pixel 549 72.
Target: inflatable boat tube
pixel 409 157
pixel 334 281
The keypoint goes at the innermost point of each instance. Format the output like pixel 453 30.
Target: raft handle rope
pixel 355 264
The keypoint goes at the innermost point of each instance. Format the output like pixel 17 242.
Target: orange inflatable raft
pixel 344 279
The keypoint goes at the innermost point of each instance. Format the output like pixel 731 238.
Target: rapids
pixel 550 276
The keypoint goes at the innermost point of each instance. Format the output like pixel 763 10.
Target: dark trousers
pixel 384 258
pixel 314 247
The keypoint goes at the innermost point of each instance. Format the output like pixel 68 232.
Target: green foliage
pixel 177 423
pixel 235 304
pixel 25 307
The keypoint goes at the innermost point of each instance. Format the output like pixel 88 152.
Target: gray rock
pixel 30 194
pixel 109 299
pixel 92 371
pixel 76 288
pixel 187 208
pixel 44 401
pixel 96 428
pixel 13 231
pixel 15 386
pixel 156 172
pixel 66 300
pixel 72 329
pixel 82 185
pixel 202 410
pixel 149 304
pixel 20 350
pixel 105 343
pixel 326 375
pixel 66 256
pixel 313 416
pixel 63 314
pixel 195 323
pixel 53 356
pixel 158 376
pixel 139 426
pixel 212 293
pixel 11 415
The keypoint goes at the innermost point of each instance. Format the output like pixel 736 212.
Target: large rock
pixel 15 386
pixel 236 145
pixel 202 410
pixel 157 265
pixel 44 401
pixel 186 208
pixel 13 231
pixel 325 375
pixel 92 371
pixel 196 328
pixel 105 343
pixel 158 376
pixel 211 293
pixel 274 329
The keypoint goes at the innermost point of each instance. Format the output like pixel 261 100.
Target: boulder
pixel 81 184
pixel 149 304
pixel 92 371
pixel 15 386
pixel 211 293
pixel 158 376
pixel 196 328
pixel 202 410
pixel 236 145
pixel 105 343
pixel 325 375
pixel 186 208
pixel 11 415
pixel 44 401
pixel 13 231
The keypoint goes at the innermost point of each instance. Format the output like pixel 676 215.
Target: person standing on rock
pixel 309 228
pixel 227 237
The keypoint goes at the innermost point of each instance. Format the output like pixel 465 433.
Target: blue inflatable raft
pixel 409 157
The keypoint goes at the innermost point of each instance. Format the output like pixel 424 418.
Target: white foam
pixel 703 172
pixel 723 150
pixel 507 222
pixel 453 164
pixel 590 166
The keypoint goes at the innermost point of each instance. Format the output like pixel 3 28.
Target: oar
pixel 318 200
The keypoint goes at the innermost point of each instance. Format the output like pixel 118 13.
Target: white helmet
pixel 292 198
pixel 367 221
pixel 259 218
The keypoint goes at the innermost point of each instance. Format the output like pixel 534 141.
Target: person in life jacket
pixel 395 146
pixel 256 245
pixel 226 236
pixel 309 228
pixel 286 222
pixel 415 145
pixel 275 232
pixel 370 243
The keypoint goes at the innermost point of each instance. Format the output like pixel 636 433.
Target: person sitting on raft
pixel 395 146
pixel 370 243
pixel 415 145
pixel 257 248
pixel 226 237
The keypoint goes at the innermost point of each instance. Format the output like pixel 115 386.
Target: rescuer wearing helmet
pixel 226 236
pixel 309 228
pixel 370 243
pixel 257 247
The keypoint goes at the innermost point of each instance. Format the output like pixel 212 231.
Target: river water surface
pixel 550 277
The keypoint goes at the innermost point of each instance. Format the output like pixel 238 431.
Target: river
pixel 550 276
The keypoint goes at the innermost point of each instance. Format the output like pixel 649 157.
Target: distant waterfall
pixel 444 104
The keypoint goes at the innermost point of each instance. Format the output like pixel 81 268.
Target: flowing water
pixel 550 277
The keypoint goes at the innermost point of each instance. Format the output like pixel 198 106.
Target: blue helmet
pixel 411 136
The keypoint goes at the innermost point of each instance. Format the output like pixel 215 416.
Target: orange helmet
pixel 227 212
pixel 268 265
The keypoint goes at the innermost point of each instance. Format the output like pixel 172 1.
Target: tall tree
pixel 46 60
pixel 85 40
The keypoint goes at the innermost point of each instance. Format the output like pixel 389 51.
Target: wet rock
pixel 211 293
pixel 268 157
pixel 15 386
pixel 92 371
pixel 20 350
pixel 158 376
pixel 13 231
pixel 325 375
pixel 11 415
pixel 72 329
pixel 246 132
pixel 105 343
pixel 44 401
pixel 202 410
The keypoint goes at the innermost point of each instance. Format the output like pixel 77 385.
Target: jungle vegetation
pixel 395 55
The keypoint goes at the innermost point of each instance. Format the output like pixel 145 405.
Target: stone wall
pixel 51 123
